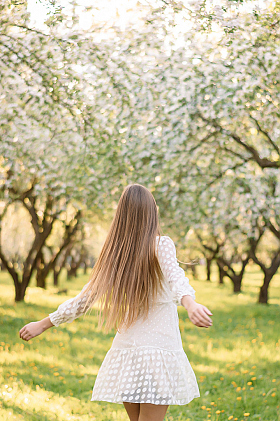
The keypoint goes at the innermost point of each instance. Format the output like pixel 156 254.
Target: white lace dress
pixel 146 362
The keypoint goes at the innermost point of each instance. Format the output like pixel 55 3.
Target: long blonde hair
pixel 127 275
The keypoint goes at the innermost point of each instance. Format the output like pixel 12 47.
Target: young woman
pixel 139 284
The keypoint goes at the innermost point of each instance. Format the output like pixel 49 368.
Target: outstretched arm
pixel 183 292
pixel 66 313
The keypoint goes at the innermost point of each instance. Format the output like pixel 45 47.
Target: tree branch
pixel 262 162
pixel 272 143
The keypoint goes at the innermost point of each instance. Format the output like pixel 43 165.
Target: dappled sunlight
pixel 48 405
pixel 236 361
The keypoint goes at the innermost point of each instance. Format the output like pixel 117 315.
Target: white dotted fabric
pixel 145 375
pixel 69 310
pixel 146 362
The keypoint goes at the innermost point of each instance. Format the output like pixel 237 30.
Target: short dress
pixel 146 362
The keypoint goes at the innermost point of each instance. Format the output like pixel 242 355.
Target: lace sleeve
pixel 174 275
pixel 70 309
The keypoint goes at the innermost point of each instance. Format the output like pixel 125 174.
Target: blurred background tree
pixel 183 98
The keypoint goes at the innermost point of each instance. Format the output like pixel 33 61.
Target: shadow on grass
pixel 31 415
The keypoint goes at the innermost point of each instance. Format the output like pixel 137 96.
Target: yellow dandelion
pixel 212 403
pixel 264 394
pixel 56 373
pixel 254 341
pixel 252 388
pixel 234 384
pixel 246 371
pixel 208 409
pixel 246 414
pixel 61 377
pixel 222 410
pixel 218 412
pixel 238 398
pixel 273 394
pixel 252 373
pixel 243 388
pixel 230 418
pixel 41 376
pixel 273 380
pixel 221 378
pixel 203 407
pixel 208 416
pixel 249 383
pixel 238 389
pixel 60 344
pixel 80 381
pixel 261 343
pixel 254 366
pixel 235 419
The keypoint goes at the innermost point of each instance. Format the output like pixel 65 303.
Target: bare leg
pixel 133 410
pixel 150 412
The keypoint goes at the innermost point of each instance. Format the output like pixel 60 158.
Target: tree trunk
pixel 41 280
pixel 2 267
pixel 263 294
pixel 269 272
pixel 72 272
pixel 222 273
pixel 208 268
pixel 19 292
pixel 237 280
pixel 57 268
pixel 40 276
pixel 194 271
pixel 55 276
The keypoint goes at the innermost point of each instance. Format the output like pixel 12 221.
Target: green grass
pixel 236 361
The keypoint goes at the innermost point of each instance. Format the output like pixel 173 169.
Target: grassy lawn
pixel 236 361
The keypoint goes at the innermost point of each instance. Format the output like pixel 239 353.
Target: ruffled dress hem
pixel 167 403
pixel 146 375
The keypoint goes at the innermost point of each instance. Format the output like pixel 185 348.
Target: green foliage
pixel 51 377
